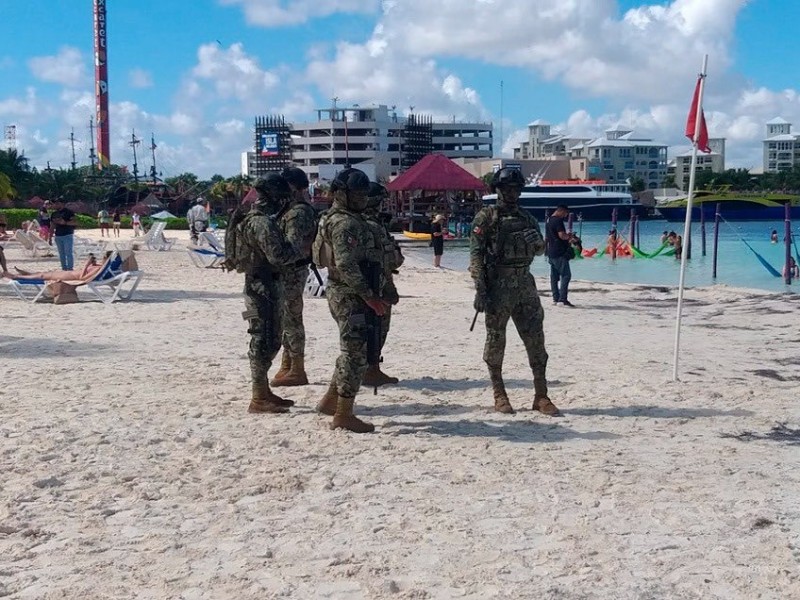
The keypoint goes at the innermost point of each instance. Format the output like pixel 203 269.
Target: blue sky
pixel 196 72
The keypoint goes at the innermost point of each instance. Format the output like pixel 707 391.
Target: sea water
pixel 737 265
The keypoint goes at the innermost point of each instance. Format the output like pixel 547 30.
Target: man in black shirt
pixel 64 224
pixel 559 253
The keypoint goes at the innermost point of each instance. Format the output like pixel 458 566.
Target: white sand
pixel 129 466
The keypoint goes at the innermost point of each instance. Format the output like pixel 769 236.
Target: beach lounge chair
pixel 157 240
pixel 205 257
pixel 212 240
pixel 313 288
pixel 35 246
pixel 107 285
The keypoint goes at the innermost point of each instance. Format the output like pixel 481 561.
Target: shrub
pixel 16 216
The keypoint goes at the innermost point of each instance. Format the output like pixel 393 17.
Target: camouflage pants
pixel 294 332
pixel 349 311
pixel 264 298
pixel 515 297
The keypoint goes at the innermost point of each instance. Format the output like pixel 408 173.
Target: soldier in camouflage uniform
pixel 346 244
pixel 503 243
pixel 255 246
pixel 298 219
pixel 392 260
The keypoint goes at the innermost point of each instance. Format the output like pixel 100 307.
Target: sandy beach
pixel 131 468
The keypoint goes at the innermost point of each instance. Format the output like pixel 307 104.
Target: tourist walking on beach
pixel 437 240
pixel 503 243
pixel 116 219
pixel 136 221
pixel 64 224
pixel 392 259
pixel 255 246
pixel 559 253
pixel 346 245
pixel 298 220
pixel 104 221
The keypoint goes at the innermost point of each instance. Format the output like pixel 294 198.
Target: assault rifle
pixel 372 272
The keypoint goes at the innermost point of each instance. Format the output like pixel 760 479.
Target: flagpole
pixel 688 223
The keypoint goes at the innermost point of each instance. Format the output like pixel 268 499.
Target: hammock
pixel 773 271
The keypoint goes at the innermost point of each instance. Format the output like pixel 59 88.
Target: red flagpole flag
pixel 691 121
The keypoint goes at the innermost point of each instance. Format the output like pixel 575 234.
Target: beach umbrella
pixel 163 215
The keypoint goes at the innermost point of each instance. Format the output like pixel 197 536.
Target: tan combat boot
pixel 345 419
pixel 541 402
pixel 327 405
pixel 501 401
pixel 375 377
pixel 545 406
pixel 283 370
pixel 264 401
pixel 296 374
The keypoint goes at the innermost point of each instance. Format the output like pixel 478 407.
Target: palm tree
pixel 15 166
pixel 6 189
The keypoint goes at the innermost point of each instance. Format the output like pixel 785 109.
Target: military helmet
pixel 507 176
pixel 376 190
pixel 296 177
pixel 273 184
pixel 350 180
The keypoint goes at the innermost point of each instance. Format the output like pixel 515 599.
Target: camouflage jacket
pixel 299 224
pixel 350 241
pixel 498 240
pixel 262 238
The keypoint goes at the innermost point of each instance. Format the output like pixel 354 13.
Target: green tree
pixel 6 189
pixel 669 182
pixel 638 185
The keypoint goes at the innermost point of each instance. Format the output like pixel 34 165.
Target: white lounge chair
pixel 205 257
pixel 157 240
pixel 108 284
pixel 314 288
pixel 36 246
pixel 213 241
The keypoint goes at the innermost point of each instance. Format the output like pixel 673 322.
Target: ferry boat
pixel 734 206
pixel 590 200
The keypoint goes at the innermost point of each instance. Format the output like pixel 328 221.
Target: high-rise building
pixel 781 147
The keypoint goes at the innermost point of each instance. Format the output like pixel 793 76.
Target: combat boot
pixel 264 401
pixel 375 377
pixel 345 419
pixel 501 402
pixel 545 406
pixel 283 371
pixel 327 405
pixel 541 401
pixel 296 375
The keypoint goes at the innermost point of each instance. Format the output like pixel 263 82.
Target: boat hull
pixel 596 213
pixel 730 211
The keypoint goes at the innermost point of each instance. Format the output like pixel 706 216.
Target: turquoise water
pixel 737 265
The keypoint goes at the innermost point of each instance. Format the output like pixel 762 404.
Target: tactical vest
pixel 510 247
pixel 241 254
pixel 309 214
pixel 321 249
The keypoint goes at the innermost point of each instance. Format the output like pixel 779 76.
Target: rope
pixel 761 259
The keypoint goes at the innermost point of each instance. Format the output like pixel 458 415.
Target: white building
pixel 378 137
pixel 714 162
pixel 615 158
pixel 781 147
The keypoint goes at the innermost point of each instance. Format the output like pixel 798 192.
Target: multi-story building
pixel 379 141
pixel 781 147
pixel 617 157
pixel 713 161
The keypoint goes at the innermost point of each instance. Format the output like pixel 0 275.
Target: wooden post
pixel 788 241
pixel 716 240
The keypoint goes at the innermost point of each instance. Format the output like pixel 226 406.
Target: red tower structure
pixel 101 83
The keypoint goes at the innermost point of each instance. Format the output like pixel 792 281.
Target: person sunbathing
pixel 86 273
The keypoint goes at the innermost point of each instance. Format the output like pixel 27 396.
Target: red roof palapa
pixel 436 173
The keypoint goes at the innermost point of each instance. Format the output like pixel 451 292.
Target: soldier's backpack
pixel 240 255
pixel 321 251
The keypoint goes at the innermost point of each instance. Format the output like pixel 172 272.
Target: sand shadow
pixel 416 408
pixel 779 433
pixel 654 412
pixel 457 385
pixel 516 431
pixel 169 296
pixel 47 348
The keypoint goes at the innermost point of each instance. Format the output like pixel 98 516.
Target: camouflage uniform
pixel 392 259
pixel 261 251
pixel 345 241
pixel 299 224
pixel 503 243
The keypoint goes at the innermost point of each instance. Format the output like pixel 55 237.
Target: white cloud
pixel 140 79
pixel 68 67
pixel 277 13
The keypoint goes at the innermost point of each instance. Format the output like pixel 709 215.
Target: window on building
pixel 606 152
